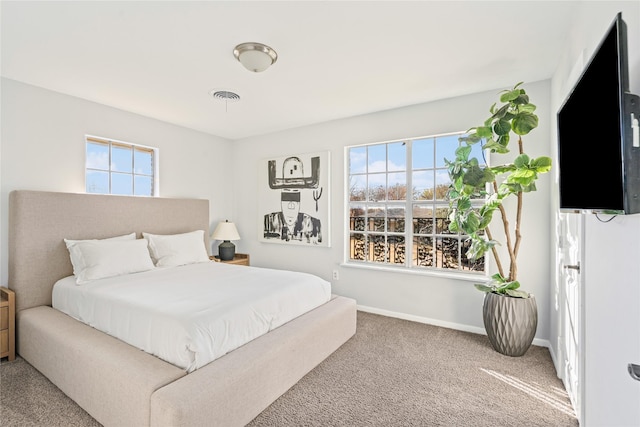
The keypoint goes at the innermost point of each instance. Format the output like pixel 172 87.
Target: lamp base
pixel 226 251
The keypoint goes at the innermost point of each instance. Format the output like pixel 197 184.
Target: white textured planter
pixel 510 323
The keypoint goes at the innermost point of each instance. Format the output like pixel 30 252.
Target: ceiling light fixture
pixel 255 57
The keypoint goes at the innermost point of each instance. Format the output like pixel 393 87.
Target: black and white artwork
pixel 294 199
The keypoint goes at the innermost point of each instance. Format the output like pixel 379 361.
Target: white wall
pixel 611 271
pixel 43 148
pixel 439 300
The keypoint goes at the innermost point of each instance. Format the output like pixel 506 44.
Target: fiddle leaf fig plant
pixel 472 179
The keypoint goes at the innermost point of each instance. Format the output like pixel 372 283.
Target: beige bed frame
pixel 116 383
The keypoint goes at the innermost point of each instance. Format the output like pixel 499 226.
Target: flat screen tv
pixel 598 142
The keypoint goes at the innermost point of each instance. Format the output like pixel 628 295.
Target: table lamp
pixel 226 231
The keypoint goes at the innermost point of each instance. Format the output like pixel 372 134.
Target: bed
pixel 117 383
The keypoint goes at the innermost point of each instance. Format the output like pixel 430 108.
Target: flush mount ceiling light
pixel 255 57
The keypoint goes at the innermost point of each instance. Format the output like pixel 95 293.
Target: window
pixel 398 209
pixel 115 167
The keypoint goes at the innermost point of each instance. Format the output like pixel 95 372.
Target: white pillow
pixel 172 250
pixel 131 236
pixel 98 259
pixel 75 255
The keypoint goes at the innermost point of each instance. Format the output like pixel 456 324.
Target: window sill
pixel 479 278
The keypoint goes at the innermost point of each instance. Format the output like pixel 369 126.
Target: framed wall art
pixel 294 199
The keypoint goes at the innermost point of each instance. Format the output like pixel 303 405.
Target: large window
pixel 398 207
pixel 115 167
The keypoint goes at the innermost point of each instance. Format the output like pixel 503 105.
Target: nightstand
pixel 239 259
pixel 7 323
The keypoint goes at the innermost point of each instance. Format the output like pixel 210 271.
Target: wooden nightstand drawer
pixel 4 318
pixel 4 341
pixel 7 323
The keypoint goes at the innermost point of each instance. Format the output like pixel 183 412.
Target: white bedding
pixel 192 314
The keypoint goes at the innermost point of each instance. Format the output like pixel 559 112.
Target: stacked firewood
pixel 358 247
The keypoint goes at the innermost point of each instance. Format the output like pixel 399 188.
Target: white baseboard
pixel 436 322
pixel 554 359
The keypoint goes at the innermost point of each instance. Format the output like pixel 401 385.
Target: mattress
pixel 193 314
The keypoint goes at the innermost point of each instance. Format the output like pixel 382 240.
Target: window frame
pixel 110 143
pixel 408 203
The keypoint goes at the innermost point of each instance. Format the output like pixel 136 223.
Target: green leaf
pixel 510 96
pixel 522 161
pixel 494 147
pixel 502 127
pixel 484 132
pixel 483 288
pixel 513 285
pixel 522 176
pixel 471 224
pixel 509 116
pixel 477 176
pixel 502 111
pixel 486 216
pixel 524 123
pixel 498 278
pixel 462 152
pixel 469 190
pixel 504 140
pixel 471 138
pixel 464 204
pixel 521 99
pixel 541 164
pixel 503 168
pixel 507 189
pixel 479 246
pixel 517 294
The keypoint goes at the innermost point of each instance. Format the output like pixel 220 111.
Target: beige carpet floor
pixel 391 373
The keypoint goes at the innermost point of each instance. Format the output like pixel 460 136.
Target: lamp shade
pixel 225 231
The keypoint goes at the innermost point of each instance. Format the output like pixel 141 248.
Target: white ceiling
pixel 336 58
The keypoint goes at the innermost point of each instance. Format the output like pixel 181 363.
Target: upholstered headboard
pixel 40 221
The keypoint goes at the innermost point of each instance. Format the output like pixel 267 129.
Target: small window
pixel 398 208
pixel 115 167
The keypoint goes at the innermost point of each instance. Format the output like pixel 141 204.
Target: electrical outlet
pixel 335 275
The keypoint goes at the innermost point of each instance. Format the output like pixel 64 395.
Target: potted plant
pixel 510 314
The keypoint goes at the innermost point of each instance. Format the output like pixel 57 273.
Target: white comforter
pixel 193 314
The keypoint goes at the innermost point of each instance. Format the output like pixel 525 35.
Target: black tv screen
pixel 599 166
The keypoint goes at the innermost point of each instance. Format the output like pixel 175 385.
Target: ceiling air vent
pixel 224 95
